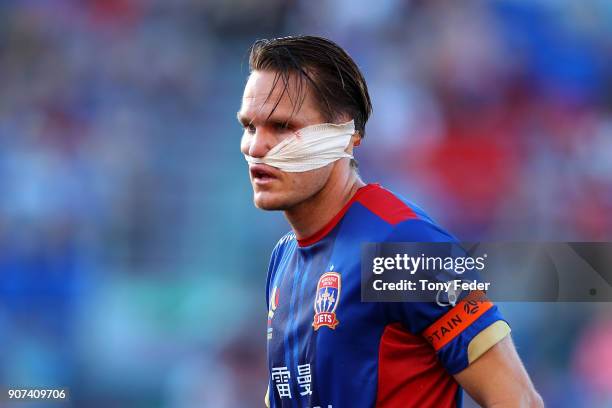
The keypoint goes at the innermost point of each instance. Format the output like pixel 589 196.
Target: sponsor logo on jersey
pixel 326 300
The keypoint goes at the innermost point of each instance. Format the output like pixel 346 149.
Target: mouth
pixel 262 174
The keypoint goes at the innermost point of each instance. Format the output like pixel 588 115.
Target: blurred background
pixel 132 261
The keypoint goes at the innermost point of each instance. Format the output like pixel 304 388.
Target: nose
pixel 257 144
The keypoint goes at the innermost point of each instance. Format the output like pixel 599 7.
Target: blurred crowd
pixel 132 262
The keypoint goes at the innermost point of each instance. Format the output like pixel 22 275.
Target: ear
pixel 356 139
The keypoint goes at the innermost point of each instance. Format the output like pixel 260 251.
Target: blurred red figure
pixel 593 359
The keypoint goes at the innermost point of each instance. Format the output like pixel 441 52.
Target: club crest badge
pixel 326 300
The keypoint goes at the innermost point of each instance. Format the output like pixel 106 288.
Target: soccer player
pixel 304 110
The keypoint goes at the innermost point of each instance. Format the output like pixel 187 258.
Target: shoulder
pixel 419 230
pixel 385 205
pixel 285 240
pixel 281 246
pixel 277 254
pixel 408 221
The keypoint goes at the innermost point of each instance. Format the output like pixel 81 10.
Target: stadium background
pixel 132 262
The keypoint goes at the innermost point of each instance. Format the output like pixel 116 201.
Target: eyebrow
pixel 274 119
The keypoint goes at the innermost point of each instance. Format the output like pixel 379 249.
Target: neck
pixel 313 214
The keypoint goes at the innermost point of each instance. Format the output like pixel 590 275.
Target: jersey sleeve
pixel 458 334
pixel 272 265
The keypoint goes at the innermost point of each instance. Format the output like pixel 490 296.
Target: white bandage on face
pixel 309 148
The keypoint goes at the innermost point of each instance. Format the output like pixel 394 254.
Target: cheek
pixel 310 181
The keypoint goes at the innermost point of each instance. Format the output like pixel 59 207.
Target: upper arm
pixel 460 333
pixel 497 378
pixel 471 339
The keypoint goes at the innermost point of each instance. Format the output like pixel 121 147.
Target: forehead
pixel 262 97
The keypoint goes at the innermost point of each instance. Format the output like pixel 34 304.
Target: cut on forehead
pixel 286 95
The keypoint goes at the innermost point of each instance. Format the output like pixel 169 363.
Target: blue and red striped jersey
pixel 328 349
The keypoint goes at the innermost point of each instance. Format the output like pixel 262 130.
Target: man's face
pixel 274 189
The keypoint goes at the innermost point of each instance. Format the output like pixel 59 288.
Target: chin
pixel 269 201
